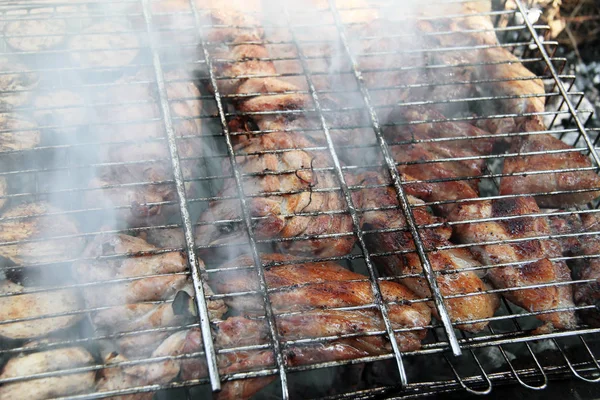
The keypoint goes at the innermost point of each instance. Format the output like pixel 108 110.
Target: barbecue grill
pixel 509 351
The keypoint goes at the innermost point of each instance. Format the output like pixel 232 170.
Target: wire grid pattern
pixel 32 179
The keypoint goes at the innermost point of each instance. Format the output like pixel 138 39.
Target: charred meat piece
pixel 17 83
pixel 32 363
pixel 36 227
pixel 283 183
pixel 18 133
pixel 104 45
pixel 447 263
pixel 312 288
pixel 36 308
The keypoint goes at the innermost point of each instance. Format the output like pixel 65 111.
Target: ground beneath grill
pixel 586 67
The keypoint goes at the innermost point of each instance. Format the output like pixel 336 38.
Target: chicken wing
pixel 448 263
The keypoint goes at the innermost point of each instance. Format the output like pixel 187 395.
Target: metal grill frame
pixel 453 343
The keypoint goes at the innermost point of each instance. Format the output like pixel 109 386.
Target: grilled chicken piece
pixel 273 175
pixel 448 263
pixel 35 231
pixel 311 288
pixel 18 132
pixel 551 181
pixel 169 267
pixel 62 110
pixel 17 86
pixel 139 102
pixel 104 44
pixel 239 331
pixel 118 378
pixel 131 318
pixel 36 309
pixel 441 182
pixel 46 32
pixel 145 163
pixel 47 361
pixel 171 238
pixel 145 289
pixel 520 93
pixel 130 312
pixel 586 244
pixel 132 185
pixel 588 294
pixel 499 74
pixel 538 271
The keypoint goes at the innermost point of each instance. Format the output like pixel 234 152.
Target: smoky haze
pixel 102 163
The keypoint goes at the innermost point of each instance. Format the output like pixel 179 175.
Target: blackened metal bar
pixel 438 299
pixel 245 214
pixel 374 282
pixel 559 84
pixel 204 316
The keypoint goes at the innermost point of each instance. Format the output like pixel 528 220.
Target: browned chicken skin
pixel 311 288
pixel 274 175
pixel 525 95
pixel 538 271
pixel 447 263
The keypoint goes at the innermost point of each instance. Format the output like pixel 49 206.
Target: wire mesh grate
pixel 119 154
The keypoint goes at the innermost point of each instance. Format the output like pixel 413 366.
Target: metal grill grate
pixel 190 149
